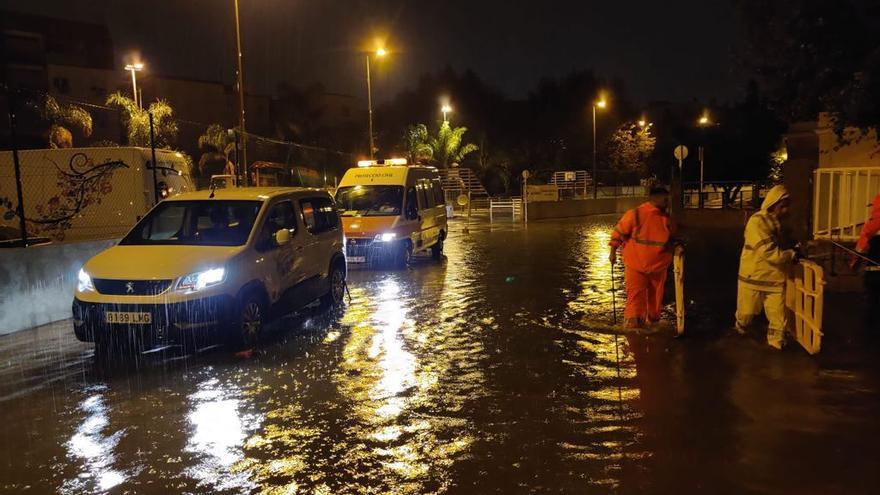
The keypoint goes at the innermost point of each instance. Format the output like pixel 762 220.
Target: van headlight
pixel 199 280
pixel 385 237
pixel 84 282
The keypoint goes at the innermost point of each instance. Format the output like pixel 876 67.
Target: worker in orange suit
pixel 869 246
pixel 871 228
pixel 646 235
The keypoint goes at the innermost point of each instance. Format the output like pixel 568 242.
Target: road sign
pixel 525 174
pixel 462 200
pixel 680 152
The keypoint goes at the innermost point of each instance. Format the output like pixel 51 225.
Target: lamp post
pixel 134 69
pixel 380 52
pixel 446 109
pixel 599 104
pixel 242 159
pixel 703 122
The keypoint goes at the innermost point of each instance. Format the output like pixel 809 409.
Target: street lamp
pixel 380 52
pixel 601 103
pixel 134 69
pixel 446 109
pixel 703 122
pixel 242 160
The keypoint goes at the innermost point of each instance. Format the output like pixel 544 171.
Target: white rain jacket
pixel 763 265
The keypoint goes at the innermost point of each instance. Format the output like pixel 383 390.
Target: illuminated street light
pixel 642 123
pixel 446 109
pixel 704 119
pixel 601 103
pixel 134 69
pixel 380 52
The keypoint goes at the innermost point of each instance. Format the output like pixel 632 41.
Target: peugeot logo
pixel 129 287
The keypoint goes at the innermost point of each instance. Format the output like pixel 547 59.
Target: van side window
pixel 412 205
pixel 319 215
pixel 281 216
pixel 426 197
pixel 439 197
pixel 308 213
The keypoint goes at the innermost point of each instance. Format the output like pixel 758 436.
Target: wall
pixel 696 220
pixel 37 283
pixel 581 207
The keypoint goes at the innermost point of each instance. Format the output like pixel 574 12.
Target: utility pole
pixel 242 132
pixel 22 224
pixel 370 106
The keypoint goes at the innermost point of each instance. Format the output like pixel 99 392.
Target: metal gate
pixel 804 297
pixel 840 202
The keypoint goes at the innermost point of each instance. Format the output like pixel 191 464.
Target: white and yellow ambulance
pixel 391 210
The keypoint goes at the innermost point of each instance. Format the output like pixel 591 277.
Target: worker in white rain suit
pixel 763 268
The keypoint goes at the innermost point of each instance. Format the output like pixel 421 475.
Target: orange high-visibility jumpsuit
pixel 645 234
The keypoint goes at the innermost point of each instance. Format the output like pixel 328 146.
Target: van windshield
pixel 196 223
pixel 369 201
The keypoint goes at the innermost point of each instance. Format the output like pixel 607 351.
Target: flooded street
pixel 487 373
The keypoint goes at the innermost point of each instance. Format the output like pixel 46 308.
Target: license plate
pixel 357 259
pixel 128 318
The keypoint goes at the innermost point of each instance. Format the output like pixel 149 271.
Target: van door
pixel 428 211
pixel 322 226
pixel 282 267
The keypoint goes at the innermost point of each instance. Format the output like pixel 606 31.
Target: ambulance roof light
pixel 387 161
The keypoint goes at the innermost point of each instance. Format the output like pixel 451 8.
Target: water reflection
pixel 94 448
pixel 218 430
pixel 594 273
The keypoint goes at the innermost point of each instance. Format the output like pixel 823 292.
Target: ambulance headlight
pixel 386 237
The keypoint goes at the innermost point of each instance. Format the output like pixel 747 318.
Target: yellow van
pixel 390 211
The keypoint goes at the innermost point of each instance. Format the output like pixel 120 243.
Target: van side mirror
pixel 412 213
pixel 282 237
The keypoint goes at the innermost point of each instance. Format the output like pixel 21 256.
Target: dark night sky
pixel 674 50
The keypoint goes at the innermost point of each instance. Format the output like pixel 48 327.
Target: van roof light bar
pixel 386 161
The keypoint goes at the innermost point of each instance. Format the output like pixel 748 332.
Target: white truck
pixel 82 194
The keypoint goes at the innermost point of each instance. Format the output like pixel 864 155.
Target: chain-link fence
pixel 79 170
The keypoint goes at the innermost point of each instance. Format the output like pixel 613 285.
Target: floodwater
pixel 486 373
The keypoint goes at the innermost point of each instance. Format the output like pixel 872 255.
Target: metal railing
pixel 512 205
pixel 739 195
pixel 840 201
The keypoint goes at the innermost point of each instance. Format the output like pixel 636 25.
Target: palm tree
pixel 216 144
pixel 447 146
pixel 415 141
pixel 137 121
pixel 61 117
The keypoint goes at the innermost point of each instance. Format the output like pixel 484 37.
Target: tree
pixel 216 138
pixel 62 117
pixel 415 142
pixel 447 147
pixel 629 148
pixel 817 56
pixel 137 121
pixel 216 145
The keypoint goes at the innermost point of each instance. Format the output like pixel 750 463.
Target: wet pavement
pixel 491 372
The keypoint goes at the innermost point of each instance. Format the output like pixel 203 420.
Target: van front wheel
pixel 403 255
pixel 251 319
